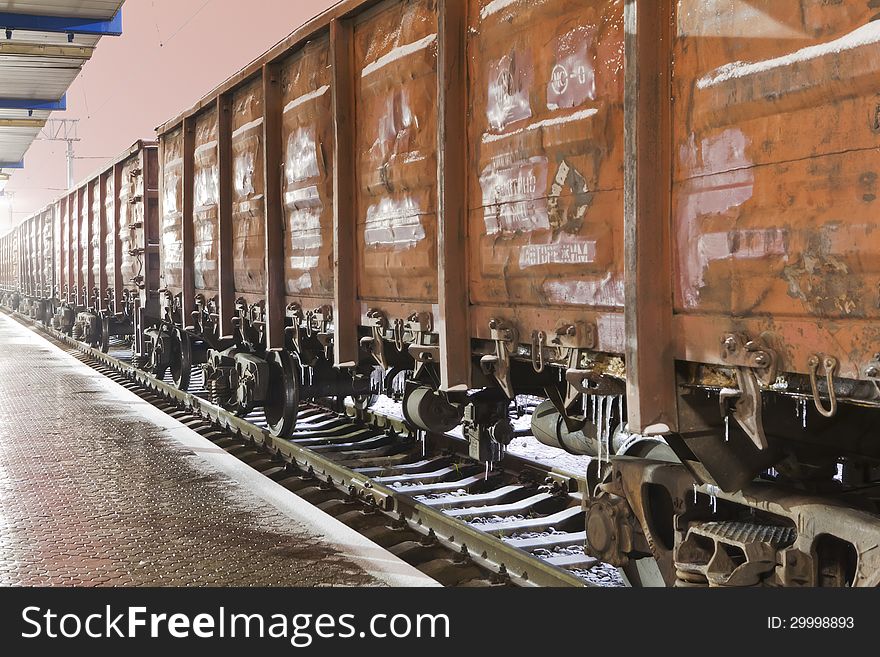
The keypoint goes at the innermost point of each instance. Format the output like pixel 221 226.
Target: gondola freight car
pixel 107 252
pixel 36 268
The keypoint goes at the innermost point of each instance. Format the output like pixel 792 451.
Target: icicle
pixel 714 503
pixel 695 493
pixel 726 428
pixel 805 414
pixel 607 429
pixel 487 471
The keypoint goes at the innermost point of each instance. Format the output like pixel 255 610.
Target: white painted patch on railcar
pixel 494 7
pixel 605 292
pixel 866 35
pixel 301 283
pixel 256 123
pixel 489 138
pixel 305 98
pixel 302 155
pixel 394 222
pixel 722 182
pixel 611 329
pixel 398 53
pixel 202 149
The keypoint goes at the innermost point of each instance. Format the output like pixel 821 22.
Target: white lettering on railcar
pixel 566 253
pixel 513 198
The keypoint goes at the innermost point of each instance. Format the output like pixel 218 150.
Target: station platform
pixel 99 488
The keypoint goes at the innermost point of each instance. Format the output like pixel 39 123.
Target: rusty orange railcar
pixel 655 214
pixel 35 239
pixel 106 251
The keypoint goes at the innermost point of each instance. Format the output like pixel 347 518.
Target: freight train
pixel 656 215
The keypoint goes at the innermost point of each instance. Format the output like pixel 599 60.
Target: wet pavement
pixel 98 488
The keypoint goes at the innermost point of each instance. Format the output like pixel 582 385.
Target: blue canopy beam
pixel 64 24
pixel 43 105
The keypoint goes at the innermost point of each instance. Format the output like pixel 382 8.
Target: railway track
pixel 418 496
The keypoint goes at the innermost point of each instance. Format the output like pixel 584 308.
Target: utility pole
pixel 62 130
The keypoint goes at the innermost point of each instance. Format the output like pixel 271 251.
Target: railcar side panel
pixel 113 230
pixel 248 184
pixel 546 172
pixel 74 255
pixel 148 235
pixel 396 143
pixel 61 249
pixel 307 145
pixel 94 196
pixel 131 220
pixel 172 212
pixel 25 231
pixel 47 251
pixel 776 177
pixel 83 242
pixel 206 192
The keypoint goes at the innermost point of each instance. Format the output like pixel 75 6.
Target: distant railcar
pixel 107 253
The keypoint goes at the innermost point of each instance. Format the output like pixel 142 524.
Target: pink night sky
pixel 171 53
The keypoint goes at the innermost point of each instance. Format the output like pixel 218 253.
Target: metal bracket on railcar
pixel 506 337
pixel 312 324
pixel 377 322
pixel 420 326
pixel 753 361
pixel 201 316
pixel 295 313
pixel 872 372
pixel 167 303
pixel 577 338
pixel 318 325
pixel 249 322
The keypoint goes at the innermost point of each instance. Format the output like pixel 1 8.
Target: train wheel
pixel 364 401
pixel 95 338
pixel 105 334
pixel 181 361
pixel 282 401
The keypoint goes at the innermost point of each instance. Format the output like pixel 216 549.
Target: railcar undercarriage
pixel 762 487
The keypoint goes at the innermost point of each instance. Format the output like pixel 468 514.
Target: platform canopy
pixel 43 47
